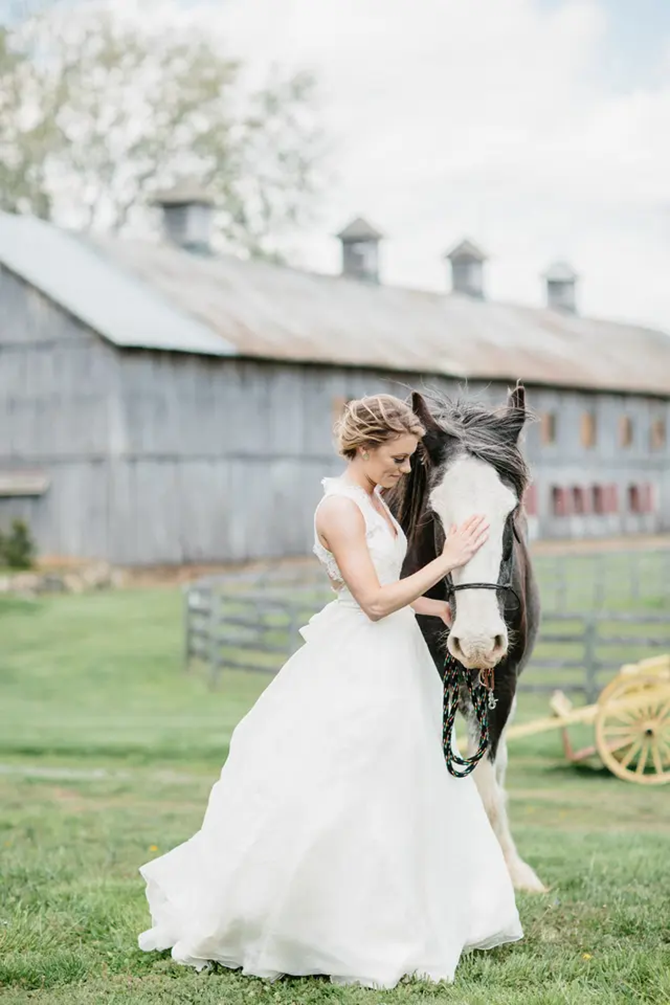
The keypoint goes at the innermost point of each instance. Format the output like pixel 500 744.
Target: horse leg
pixel 489 778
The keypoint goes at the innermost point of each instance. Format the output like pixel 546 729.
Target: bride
pixel 335 841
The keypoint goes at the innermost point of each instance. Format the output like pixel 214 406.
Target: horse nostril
pixel 455 644
pixel 499 642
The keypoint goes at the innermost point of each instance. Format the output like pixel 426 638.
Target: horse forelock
pixel 489 434
pixel 462 427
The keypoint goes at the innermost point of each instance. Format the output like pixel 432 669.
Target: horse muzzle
pixel 480 650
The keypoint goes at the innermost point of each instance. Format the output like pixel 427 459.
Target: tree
pixel 98 111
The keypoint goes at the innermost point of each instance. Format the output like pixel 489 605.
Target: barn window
pixel 625 431
pixel 588 430
pixel 560 504
pixel 657 434
pixel 634 499
pixel 612 499
pixel 599 499
pixel 648 498
pixel 548 427
pixel 579 500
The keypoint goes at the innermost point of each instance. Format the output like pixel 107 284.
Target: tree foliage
pixel 99 110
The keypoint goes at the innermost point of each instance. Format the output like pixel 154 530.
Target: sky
pixel 538 128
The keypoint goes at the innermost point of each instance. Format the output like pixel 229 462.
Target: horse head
pixel 470 462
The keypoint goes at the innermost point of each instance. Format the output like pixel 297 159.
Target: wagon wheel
pixel 633 729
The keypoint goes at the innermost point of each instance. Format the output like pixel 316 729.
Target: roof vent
pixel 561 282
pixel 360 250
pixel 188 214
pixel 467 269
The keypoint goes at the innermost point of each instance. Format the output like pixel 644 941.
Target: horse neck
pixel 421 545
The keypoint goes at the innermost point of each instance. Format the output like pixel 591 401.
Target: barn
pixel 160 403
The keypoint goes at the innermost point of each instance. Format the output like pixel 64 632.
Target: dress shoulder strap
pixel 341 487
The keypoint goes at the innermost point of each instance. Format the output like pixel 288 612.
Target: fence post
pixel 598 598
pixel 186 601
pixel 635 576
pixel 562 591
pixel 213 638
pixel 591 658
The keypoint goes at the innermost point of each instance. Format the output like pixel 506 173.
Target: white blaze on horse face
pixel 478 637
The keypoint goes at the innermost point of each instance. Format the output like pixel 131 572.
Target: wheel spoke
pixel 621 745
pixel 639 770
pixel 619 731
pixel 662 712
pixel 632 752
pixel 624 716
pixel 657 759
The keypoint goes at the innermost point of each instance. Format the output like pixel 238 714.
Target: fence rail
pixel 251 621
pixel 604 581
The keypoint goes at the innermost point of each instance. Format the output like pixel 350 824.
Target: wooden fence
pixel 252 621
pixel 618 580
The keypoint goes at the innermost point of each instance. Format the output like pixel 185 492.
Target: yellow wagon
pixel 631 720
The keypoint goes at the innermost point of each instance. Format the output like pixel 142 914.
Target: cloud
pixel 492 118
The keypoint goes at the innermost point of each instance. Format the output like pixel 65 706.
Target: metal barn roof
pixel 111 301
pixel 274 312
pixel 157 296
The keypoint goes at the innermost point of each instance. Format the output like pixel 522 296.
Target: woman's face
pixel 387 463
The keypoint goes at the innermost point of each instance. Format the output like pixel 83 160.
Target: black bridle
pixel 504 584
pixel 456 677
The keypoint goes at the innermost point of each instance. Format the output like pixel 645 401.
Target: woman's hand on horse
pixel 464 541
pixel 445 614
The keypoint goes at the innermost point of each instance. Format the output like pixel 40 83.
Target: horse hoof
pixel 525 878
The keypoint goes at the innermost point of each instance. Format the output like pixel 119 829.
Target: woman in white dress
pixel 335 841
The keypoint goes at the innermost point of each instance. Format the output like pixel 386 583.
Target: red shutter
pixel 634 499
pixel 580 500
pixel 648 498
pixel 560 501
pixel 612 499
pixel 530 500
pixel 567 503
pixel 598 499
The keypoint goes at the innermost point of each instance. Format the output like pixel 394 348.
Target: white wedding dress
pixel 335 841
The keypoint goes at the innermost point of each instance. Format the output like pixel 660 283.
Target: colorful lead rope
pixel 482 699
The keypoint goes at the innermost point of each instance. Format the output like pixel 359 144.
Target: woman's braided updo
pixel 368 422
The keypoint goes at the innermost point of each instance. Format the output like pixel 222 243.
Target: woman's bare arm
pixel 432 608
pixel 341 527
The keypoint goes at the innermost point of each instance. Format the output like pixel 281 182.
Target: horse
pixel 469 461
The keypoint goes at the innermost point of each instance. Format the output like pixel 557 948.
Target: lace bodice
pixel 386 550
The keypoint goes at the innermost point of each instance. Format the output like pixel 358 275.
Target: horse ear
pixel 434 431
pixel 422 412
pixel 517 413
pixel 517 398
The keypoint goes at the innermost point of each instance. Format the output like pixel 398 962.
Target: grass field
pixel 107 753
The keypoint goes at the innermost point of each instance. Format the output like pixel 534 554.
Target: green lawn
pixel 107 753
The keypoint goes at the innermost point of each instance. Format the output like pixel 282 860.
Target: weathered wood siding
pixel 224 458
pixel 567 463
pixel 55 380
pixel 159 457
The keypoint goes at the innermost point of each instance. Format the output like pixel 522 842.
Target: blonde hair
pixel 371 421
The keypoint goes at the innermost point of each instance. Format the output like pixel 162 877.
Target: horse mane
pixel 408 498
pixel 489 434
